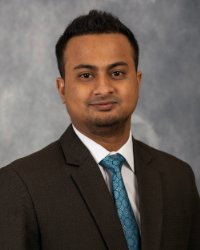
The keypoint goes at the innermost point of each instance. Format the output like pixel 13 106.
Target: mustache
pixel 103 98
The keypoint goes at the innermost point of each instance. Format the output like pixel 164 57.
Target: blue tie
pixel 114 164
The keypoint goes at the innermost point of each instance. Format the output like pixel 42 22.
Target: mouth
pixel 103 105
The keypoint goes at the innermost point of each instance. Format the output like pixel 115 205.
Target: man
pixel 97 187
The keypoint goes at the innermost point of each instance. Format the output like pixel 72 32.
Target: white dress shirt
pixel 128 171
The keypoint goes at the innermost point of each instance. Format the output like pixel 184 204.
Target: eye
pixel 85 75
pixel 117 74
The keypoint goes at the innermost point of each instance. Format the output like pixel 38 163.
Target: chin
pixel 106 121
pixel 109 123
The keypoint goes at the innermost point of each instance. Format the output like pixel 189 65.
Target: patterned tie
pixel 114 164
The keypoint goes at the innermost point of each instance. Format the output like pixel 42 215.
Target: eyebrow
pixel 93 67
pixel 85 66
pixel 121 63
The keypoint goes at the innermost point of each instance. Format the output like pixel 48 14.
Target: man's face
pixel 101 85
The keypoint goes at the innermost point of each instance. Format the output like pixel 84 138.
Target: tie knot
pixel 113 162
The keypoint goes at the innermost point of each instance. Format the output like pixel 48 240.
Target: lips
pixel 103 105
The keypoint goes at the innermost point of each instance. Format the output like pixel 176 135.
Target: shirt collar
pixel 99 152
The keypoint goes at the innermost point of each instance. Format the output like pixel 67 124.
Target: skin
pixel 101 87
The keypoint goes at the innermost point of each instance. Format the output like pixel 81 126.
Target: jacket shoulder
pixel 163 160
pixel 37 161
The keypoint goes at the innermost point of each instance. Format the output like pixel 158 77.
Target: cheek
pixel 75 96
pixel 131 97
pixel 130 92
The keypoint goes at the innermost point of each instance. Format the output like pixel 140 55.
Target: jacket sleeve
pixel 18 223
pixel 194 241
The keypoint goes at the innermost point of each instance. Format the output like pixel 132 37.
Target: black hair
pixel 95 22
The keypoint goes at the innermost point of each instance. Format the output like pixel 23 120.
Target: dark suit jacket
pixel 57 199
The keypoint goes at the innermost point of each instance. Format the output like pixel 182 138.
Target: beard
pixel 107 125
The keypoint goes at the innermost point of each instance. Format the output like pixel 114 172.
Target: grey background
pixel 167 117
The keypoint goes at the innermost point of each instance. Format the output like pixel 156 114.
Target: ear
pixel 60 83
pixel 139 78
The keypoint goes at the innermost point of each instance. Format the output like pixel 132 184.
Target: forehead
pixel 98 47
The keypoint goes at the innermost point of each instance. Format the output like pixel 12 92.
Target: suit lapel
pixel 91 185
pixel 150 197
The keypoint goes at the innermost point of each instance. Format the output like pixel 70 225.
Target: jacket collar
pixel 150 195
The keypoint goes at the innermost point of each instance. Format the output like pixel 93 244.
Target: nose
pixel 103 86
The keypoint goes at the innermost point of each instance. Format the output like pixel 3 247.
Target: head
pixel 95 22
pixel 99 84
